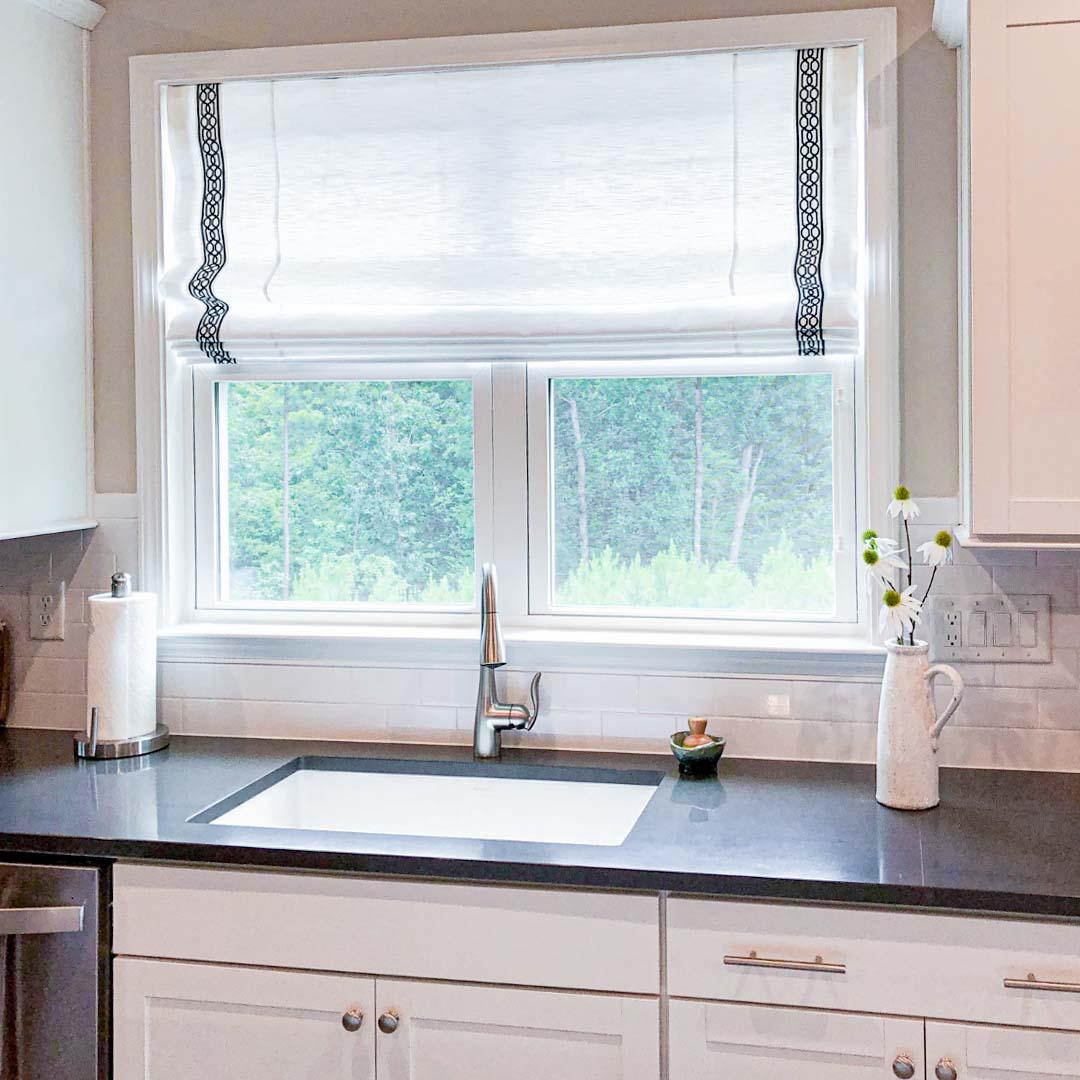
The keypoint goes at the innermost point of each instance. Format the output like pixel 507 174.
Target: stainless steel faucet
pixel 493 716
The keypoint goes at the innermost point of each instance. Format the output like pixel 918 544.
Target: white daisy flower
pixel 938 551
pixel 900 612
pixel 880 563
pixel 903 504
pixel 882 543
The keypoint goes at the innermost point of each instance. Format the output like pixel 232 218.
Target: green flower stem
pixel 910 572
pixel 933 574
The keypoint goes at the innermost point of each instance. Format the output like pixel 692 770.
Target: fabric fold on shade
pixel 715 194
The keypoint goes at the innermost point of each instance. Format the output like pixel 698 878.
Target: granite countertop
pixel 999 841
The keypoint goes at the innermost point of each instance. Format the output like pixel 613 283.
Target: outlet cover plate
pixel 48 611
pixel 987 628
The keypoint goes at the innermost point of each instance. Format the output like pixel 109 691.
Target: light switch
pixel 991 628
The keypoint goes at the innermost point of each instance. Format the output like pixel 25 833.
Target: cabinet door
pixel 1024 381
pixel 44 221
pixel 982 1052
pixel 711 1041
pixel 176 1021
pixel 450 1032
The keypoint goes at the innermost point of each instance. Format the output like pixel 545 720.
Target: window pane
pixel 694 493
pixel 348 491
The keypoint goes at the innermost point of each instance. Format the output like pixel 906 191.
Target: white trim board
pixel 826 27
pixel 848 658
pixel 116 504
pixel 82 13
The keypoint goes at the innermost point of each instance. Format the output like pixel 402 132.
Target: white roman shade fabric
pixel 713 193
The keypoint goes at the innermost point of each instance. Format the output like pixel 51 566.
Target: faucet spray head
pixel 492 649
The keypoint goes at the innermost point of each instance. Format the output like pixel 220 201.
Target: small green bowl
pixel 697 760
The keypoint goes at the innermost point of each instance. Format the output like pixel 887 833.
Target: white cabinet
pixel 714 1041
pixel 44 266
pixel 179 1021
pixel 196 1022
pixel 1019 76
pixel 976 1052
pixel 220 973
pixel 453 1032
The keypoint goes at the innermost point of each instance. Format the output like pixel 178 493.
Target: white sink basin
pixel 344 798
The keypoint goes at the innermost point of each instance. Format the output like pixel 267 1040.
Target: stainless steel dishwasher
pixel 53 967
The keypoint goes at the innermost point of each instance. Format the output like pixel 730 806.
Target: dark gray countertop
pixel 999 841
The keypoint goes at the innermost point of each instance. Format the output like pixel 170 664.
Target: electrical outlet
pixel 48 611
pixel 951 629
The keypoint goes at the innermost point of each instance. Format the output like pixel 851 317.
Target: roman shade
pixel 716 194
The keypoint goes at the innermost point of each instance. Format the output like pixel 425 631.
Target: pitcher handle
pixel 958 692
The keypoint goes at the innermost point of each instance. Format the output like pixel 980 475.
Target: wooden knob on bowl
pixel 697 736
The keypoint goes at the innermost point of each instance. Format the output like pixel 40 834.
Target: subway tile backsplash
pixel 1014 715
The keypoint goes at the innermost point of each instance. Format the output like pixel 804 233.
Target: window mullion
pixel 510 487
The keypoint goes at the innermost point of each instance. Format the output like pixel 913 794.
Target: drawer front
pixel 759 1042
pixel 899 962
pixel 467 933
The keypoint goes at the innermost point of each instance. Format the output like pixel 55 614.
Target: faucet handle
pixel 534 697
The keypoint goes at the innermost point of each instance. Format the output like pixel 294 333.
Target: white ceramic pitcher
pixel 908 727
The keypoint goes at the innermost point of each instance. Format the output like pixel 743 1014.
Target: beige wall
pixel 927 165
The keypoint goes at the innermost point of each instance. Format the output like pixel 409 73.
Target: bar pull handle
pixel 817 964
pixel 1031 983
pixel 41 920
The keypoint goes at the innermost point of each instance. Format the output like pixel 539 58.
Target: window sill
pixel 455 647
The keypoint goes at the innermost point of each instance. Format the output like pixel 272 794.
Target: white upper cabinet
pixel 44 267
pixel 1019 77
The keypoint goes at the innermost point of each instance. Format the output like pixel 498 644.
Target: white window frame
pixel 541 526
pixel 166 386
pixel 209 536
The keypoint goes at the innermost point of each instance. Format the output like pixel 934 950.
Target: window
pixel 706 494
pixel 609 308
pixel 347 491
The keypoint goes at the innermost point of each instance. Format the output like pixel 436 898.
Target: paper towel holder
pixel 89 745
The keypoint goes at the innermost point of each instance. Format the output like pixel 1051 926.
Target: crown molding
pixel 82 13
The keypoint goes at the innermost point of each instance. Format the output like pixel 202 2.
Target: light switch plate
pixel 48 611
pixel 991 628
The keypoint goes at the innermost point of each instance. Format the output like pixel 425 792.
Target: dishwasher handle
pixel 64 919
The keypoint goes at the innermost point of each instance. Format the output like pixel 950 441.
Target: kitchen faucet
pixel 493 716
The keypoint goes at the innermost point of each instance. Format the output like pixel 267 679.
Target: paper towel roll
pixel 121 669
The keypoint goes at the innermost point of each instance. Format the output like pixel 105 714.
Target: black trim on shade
pixel 809 202
pixel 212 224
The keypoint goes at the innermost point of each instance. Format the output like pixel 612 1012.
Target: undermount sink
pixel 535 804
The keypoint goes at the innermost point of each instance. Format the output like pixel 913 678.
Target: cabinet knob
pixel 945 1070
pixel 352 1019
pixel 903 1067
pixel 388 1022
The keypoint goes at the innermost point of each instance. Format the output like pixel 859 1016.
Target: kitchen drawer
pixel 374 926
pixel 721 1040
pixel 871 960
